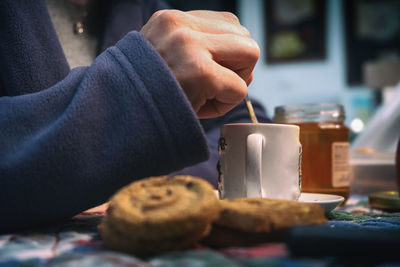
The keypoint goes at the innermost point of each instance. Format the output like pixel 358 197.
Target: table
pixel 76 242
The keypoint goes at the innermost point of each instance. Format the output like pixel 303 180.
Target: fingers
pixel 200 21
pixel 215 15
pixel 210 53
pixel 238 53
pixel 230 88
pixel 246 75
pixel 211 88
pixel 231 48
pixel 216 23
pixel 223 89
pixel 248 81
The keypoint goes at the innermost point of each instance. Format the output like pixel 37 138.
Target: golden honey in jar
pixel 325 146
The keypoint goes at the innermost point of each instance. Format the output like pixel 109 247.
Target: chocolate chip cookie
pixel 159 214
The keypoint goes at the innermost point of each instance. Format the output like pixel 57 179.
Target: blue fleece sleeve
pixel 31 57
pixel 69 147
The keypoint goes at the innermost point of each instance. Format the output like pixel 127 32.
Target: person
pixel 151 103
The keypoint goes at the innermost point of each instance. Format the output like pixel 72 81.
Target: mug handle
pixel 253 165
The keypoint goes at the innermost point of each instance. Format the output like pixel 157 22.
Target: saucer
pixel 326 201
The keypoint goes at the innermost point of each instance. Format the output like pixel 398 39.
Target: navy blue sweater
pixel 70 138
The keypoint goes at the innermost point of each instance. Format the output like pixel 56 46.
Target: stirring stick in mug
pixel 251 110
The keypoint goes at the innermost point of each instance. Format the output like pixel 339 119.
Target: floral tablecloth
pixel 76 242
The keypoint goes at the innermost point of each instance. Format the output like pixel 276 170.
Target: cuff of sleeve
pixel 166 102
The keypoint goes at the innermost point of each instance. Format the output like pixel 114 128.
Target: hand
pixel 210 53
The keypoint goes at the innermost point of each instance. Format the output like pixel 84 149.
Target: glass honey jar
pixel 325 146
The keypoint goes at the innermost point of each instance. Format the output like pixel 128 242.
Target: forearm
pixel 69 147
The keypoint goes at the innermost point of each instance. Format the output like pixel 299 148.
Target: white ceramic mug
pixel 259 160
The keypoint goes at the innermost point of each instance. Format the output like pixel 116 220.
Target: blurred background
pixel 316 51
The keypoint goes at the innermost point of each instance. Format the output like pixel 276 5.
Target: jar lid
pixel 388 200
pixel 312 112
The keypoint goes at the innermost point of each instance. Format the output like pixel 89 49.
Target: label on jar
pixel 340 164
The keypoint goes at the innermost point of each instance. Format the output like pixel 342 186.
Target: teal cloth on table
pixel 366 220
